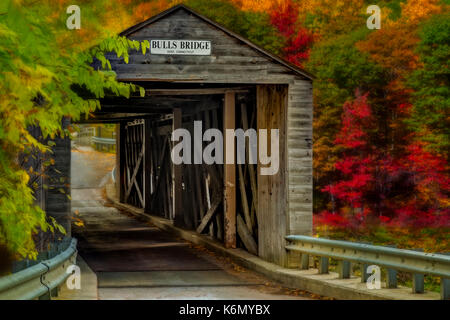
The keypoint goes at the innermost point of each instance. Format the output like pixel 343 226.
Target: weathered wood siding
pixel 272 201
pixel 231 60
pixel 299 157
pixel 58 202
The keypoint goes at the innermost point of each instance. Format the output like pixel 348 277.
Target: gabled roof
pixel 169 11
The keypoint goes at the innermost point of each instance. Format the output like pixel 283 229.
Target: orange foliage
pixel 393 48
pixel 146 10
pixel 414 11
pixel 259 5
pixel 393 45
pixel 332 16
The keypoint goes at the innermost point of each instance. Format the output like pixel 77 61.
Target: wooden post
pixel 147 165
pixel 177 176
pixel 229 176
pixel 121 160
pixel 117 171
pixel 272 193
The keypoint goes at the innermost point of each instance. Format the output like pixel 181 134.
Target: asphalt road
pixel 90 168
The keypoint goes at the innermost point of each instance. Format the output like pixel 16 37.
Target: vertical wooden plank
pixel 272 202
pixel 147 164
pixel 207 125
pixel 57 203
pixel 229 175
pixel 168 186
pixel 121 161
pixel 177 171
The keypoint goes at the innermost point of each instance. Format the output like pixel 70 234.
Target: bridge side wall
pixel 58 203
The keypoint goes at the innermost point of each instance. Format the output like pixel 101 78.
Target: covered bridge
pixel 197 70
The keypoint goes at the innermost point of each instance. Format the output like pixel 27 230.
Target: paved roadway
pixel 135 260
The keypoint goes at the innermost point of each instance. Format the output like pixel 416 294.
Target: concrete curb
pixel 328 285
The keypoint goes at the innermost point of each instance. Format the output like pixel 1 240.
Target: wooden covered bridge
pixel 197 70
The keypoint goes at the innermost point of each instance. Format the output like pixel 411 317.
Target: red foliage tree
pixel 298 39
pixel 357 164
pixel 411 190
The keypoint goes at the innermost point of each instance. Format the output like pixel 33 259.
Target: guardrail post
pixel 45 296
pixel 418 279
pixel 293 259
pixel 364 274
pixel 344 269
pixel 323 265
pixel 391 279
pixel 445 289
pixel 391 274
pixel 54 292
pixel 304 263
pixel 418 283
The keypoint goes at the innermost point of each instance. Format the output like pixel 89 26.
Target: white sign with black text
pixel 181 47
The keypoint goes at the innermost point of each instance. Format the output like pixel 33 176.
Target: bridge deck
pixel 134 260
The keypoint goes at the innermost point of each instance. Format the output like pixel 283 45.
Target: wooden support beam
pixel 229 174
pixel 177 172
pixel 209 214
pixel 244 200
pixel 203 91
pixel 251 167
pixel 120 167
pixel 246 237
pixel 147 165
pixel 133 177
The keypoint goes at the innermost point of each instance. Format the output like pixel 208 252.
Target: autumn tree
pixel 340 69
pixel 40 81
pixel 431 98
pixel 297 38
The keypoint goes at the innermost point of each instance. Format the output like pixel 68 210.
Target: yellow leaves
pixel 145 10
pixel 393 45
pixel 414 11
pixel 393 48
pixel 78 222
pixel 259 5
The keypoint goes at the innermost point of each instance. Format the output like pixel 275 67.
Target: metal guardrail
pixel 102 144
pixel 107 141
pixel 417 263
pixel 41 280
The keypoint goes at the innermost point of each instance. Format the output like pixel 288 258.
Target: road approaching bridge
pixel 135 260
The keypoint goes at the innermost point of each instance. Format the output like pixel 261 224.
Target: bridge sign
pixel 181 47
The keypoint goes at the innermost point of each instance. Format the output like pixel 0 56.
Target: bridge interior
pixel 133 259
pixel 192 195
